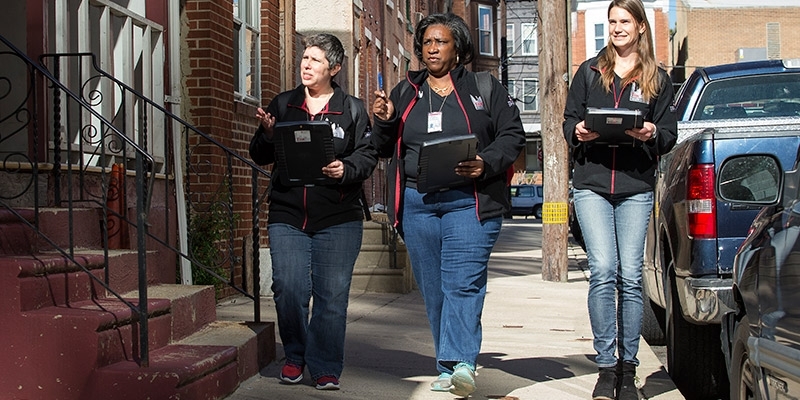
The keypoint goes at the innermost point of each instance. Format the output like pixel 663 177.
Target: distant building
pixel 711 32
pixel 521 77
pixel 589 24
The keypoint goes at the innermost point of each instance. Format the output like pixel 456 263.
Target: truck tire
pixel 744 380
pixel 653 323
pixel 537 211
pixel 694 354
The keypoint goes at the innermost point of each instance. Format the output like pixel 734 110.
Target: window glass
pixel 599 37
pixel 485 23
pixel 775 95
pixel 246 48
pixel 510 45
pixel 752 178
pixel 529 40
pixel 530 99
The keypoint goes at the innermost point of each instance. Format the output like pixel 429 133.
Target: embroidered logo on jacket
pixel 477 101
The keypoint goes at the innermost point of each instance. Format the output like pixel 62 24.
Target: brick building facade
pixel 722 32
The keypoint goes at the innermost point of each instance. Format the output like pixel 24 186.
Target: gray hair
pixel 330 44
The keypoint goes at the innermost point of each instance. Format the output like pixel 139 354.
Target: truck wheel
pixel 653 323
pixel 537 212
pixel 694 354
pixel 743 373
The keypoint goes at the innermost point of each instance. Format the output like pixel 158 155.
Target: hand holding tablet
pixel 611 123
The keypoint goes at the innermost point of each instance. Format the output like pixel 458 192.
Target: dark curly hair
pixel 463 40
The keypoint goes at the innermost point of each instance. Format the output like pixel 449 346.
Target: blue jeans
pixel 318 265
pixel 614 231
pixel 449 251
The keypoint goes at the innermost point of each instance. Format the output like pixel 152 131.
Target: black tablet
pixel 611 123
pixel 302 148
pixel 438 159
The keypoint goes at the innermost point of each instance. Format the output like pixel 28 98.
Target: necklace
pixel 441 91
pixel 430 106
pixel 435 118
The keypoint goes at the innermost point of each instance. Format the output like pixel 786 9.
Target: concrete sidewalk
pixel 537 343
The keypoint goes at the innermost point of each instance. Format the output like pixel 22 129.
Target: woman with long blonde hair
pixel 614 185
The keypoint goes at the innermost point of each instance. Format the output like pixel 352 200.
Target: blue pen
pixel 380 81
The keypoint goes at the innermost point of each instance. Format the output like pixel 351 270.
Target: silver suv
pixel 526 200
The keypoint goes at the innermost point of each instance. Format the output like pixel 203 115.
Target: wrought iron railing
pixel 96 122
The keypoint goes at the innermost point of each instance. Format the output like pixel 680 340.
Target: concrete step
pixel 382 280
pixel 16 237
pixel 209 364
pixel 191 306
pixel 376 233
pixel 176 371
pixel 51 279
pixel 382 255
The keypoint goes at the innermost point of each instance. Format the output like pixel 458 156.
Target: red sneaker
pixel 328 382
pixel 291 373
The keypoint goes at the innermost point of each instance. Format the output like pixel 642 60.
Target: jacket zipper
pixel 397 184
pixel 469 129
pixel 305 207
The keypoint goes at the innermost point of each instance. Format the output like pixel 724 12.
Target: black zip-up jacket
pixel 626 169
pixel 317 207
pixel 501 138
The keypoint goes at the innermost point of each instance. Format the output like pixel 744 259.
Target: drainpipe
pixel 174 100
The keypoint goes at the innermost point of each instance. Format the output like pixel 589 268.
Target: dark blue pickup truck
pixel 726 111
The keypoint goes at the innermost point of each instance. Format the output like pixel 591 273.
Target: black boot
pixel 606 383
pixel 627 382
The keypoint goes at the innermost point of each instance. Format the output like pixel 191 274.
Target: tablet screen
pixel 611 123
pixel 438 159
pixel 302 148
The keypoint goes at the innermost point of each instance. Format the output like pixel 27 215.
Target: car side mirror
pixel 754 179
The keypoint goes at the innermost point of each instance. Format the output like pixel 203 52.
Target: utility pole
pixel 553 78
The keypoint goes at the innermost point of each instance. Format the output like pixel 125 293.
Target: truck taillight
pixel 702 203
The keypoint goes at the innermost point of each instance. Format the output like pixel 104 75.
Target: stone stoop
pixel 65 337
pixel 381 266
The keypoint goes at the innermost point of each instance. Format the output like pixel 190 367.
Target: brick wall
pixel 660 29
pixel 212 107
pixel 578 41
pixel 714 35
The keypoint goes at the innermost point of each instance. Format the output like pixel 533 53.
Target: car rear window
pixel 775 95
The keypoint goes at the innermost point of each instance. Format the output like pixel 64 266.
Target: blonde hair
pixel 645 72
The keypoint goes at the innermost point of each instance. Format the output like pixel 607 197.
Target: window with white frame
pixel 529 39
pixel 512 89
pixel 246 56
pixel 485 31
pixel 510 45
pixel 530 92
pixel 599 36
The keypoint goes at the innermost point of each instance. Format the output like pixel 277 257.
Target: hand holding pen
pixel 382 108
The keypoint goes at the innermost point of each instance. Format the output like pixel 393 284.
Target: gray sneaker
pixel 442 383
pixel 463 379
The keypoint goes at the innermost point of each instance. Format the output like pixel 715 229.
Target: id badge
pixel 636 94
pixel 434 122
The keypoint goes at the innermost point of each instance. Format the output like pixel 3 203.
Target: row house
pixel 129 204
pixel 520 74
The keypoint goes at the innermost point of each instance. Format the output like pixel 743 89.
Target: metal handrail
pixel 41 81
